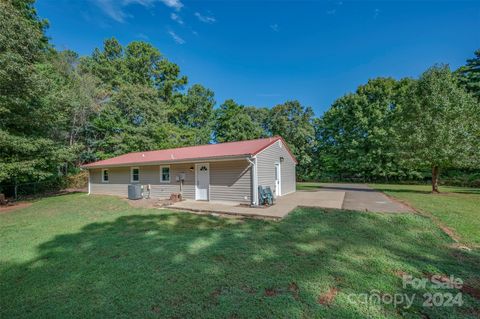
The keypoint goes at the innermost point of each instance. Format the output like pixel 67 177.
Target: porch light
pixel 281 159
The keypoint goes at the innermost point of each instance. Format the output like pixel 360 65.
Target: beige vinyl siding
pixel 229 180
pixel 118 179
pixel 266 160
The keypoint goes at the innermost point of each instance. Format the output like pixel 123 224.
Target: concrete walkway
pixel 363 198
pixel 283 205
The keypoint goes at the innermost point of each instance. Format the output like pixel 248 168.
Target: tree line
pixel 59 110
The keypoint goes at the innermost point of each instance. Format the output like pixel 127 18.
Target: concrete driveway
pixel 338 196
pixel 363 198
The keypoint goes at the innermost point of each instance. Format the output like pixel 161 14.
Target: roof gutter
pixel 192 160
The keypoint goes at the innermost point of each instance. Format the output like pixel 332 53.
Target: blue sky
pixel 264 53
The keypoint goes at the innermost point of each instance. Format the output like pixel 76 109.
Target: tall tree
pixel 140 88
pixel 139 63
pixel 27 119
pixel 294 123
pixel 440 123
pixel 357 134
pixel 233 123
pixel 469 75
pixel 261 117
pixel 194 111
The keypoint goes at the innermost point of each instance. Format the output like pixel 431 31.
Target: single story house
pixel 226 171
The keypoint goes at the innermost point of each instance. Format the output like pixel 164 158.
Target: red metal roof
pixel 208 151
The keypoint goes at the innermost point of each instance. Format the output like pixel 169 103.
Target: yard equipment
pixel 264 197
pixel 269 193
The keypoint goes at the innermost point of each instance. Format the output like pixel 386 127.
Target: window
pixel 105 175
pixel 165 174
pixel 135 174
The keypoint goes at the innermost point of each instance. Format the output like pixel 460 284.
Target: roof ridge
pixel 176 148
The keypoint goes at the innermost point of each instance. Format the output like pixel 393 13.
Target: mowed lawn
pixel 456 207
pixel 79 256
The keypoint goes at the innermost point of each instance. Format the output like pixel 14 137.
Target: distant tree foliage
pixel 294 123
pixel 469 75
pixel 234 123
pixel 357 135
pixel 59 110
pixel 28 149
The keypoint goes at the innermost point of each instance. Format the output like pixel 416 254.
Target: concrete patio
pixel 357 197
pixel 283 205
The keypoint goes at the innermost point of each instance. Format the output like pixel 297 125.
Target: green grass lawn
pixel 456 207
pixel 95 256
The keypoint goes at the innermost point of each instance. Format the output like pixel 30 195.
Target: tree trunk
pixel 435 173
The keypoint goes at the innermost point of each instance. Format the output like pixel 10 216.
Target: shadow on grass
pixel 178 265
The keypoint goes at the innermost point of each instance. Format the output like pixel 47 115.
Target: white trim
pixel 253 162
pixel 196 180
pixel 169 174
pixel 103 175
pixel 131 174
pixel 278 189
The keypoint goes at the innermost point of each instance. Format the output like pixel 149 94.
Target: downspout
pixel 253 163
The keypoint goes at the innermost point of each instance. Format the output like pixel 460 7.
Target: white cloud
pixel 376 12
pixel 205 18
pixel 274 27
pixel 143 36
pixel 176 4
pixel 176 38
pixel 176 17
pixel 115 9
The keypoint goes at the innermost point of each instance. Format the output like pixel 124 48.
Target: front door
pixel 202 181
pixel 278 180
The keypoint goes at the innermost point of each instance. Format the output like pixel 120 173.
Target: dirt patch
pixel 459 246
pixel 472 291
pixel 465 288
pixel 399 273
pixel 217 292
pixel 450 232
pixel 13 206
pixel 149 202
pixel 270 292
pixel 328 297
pixel 293 288
pixel 155 309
